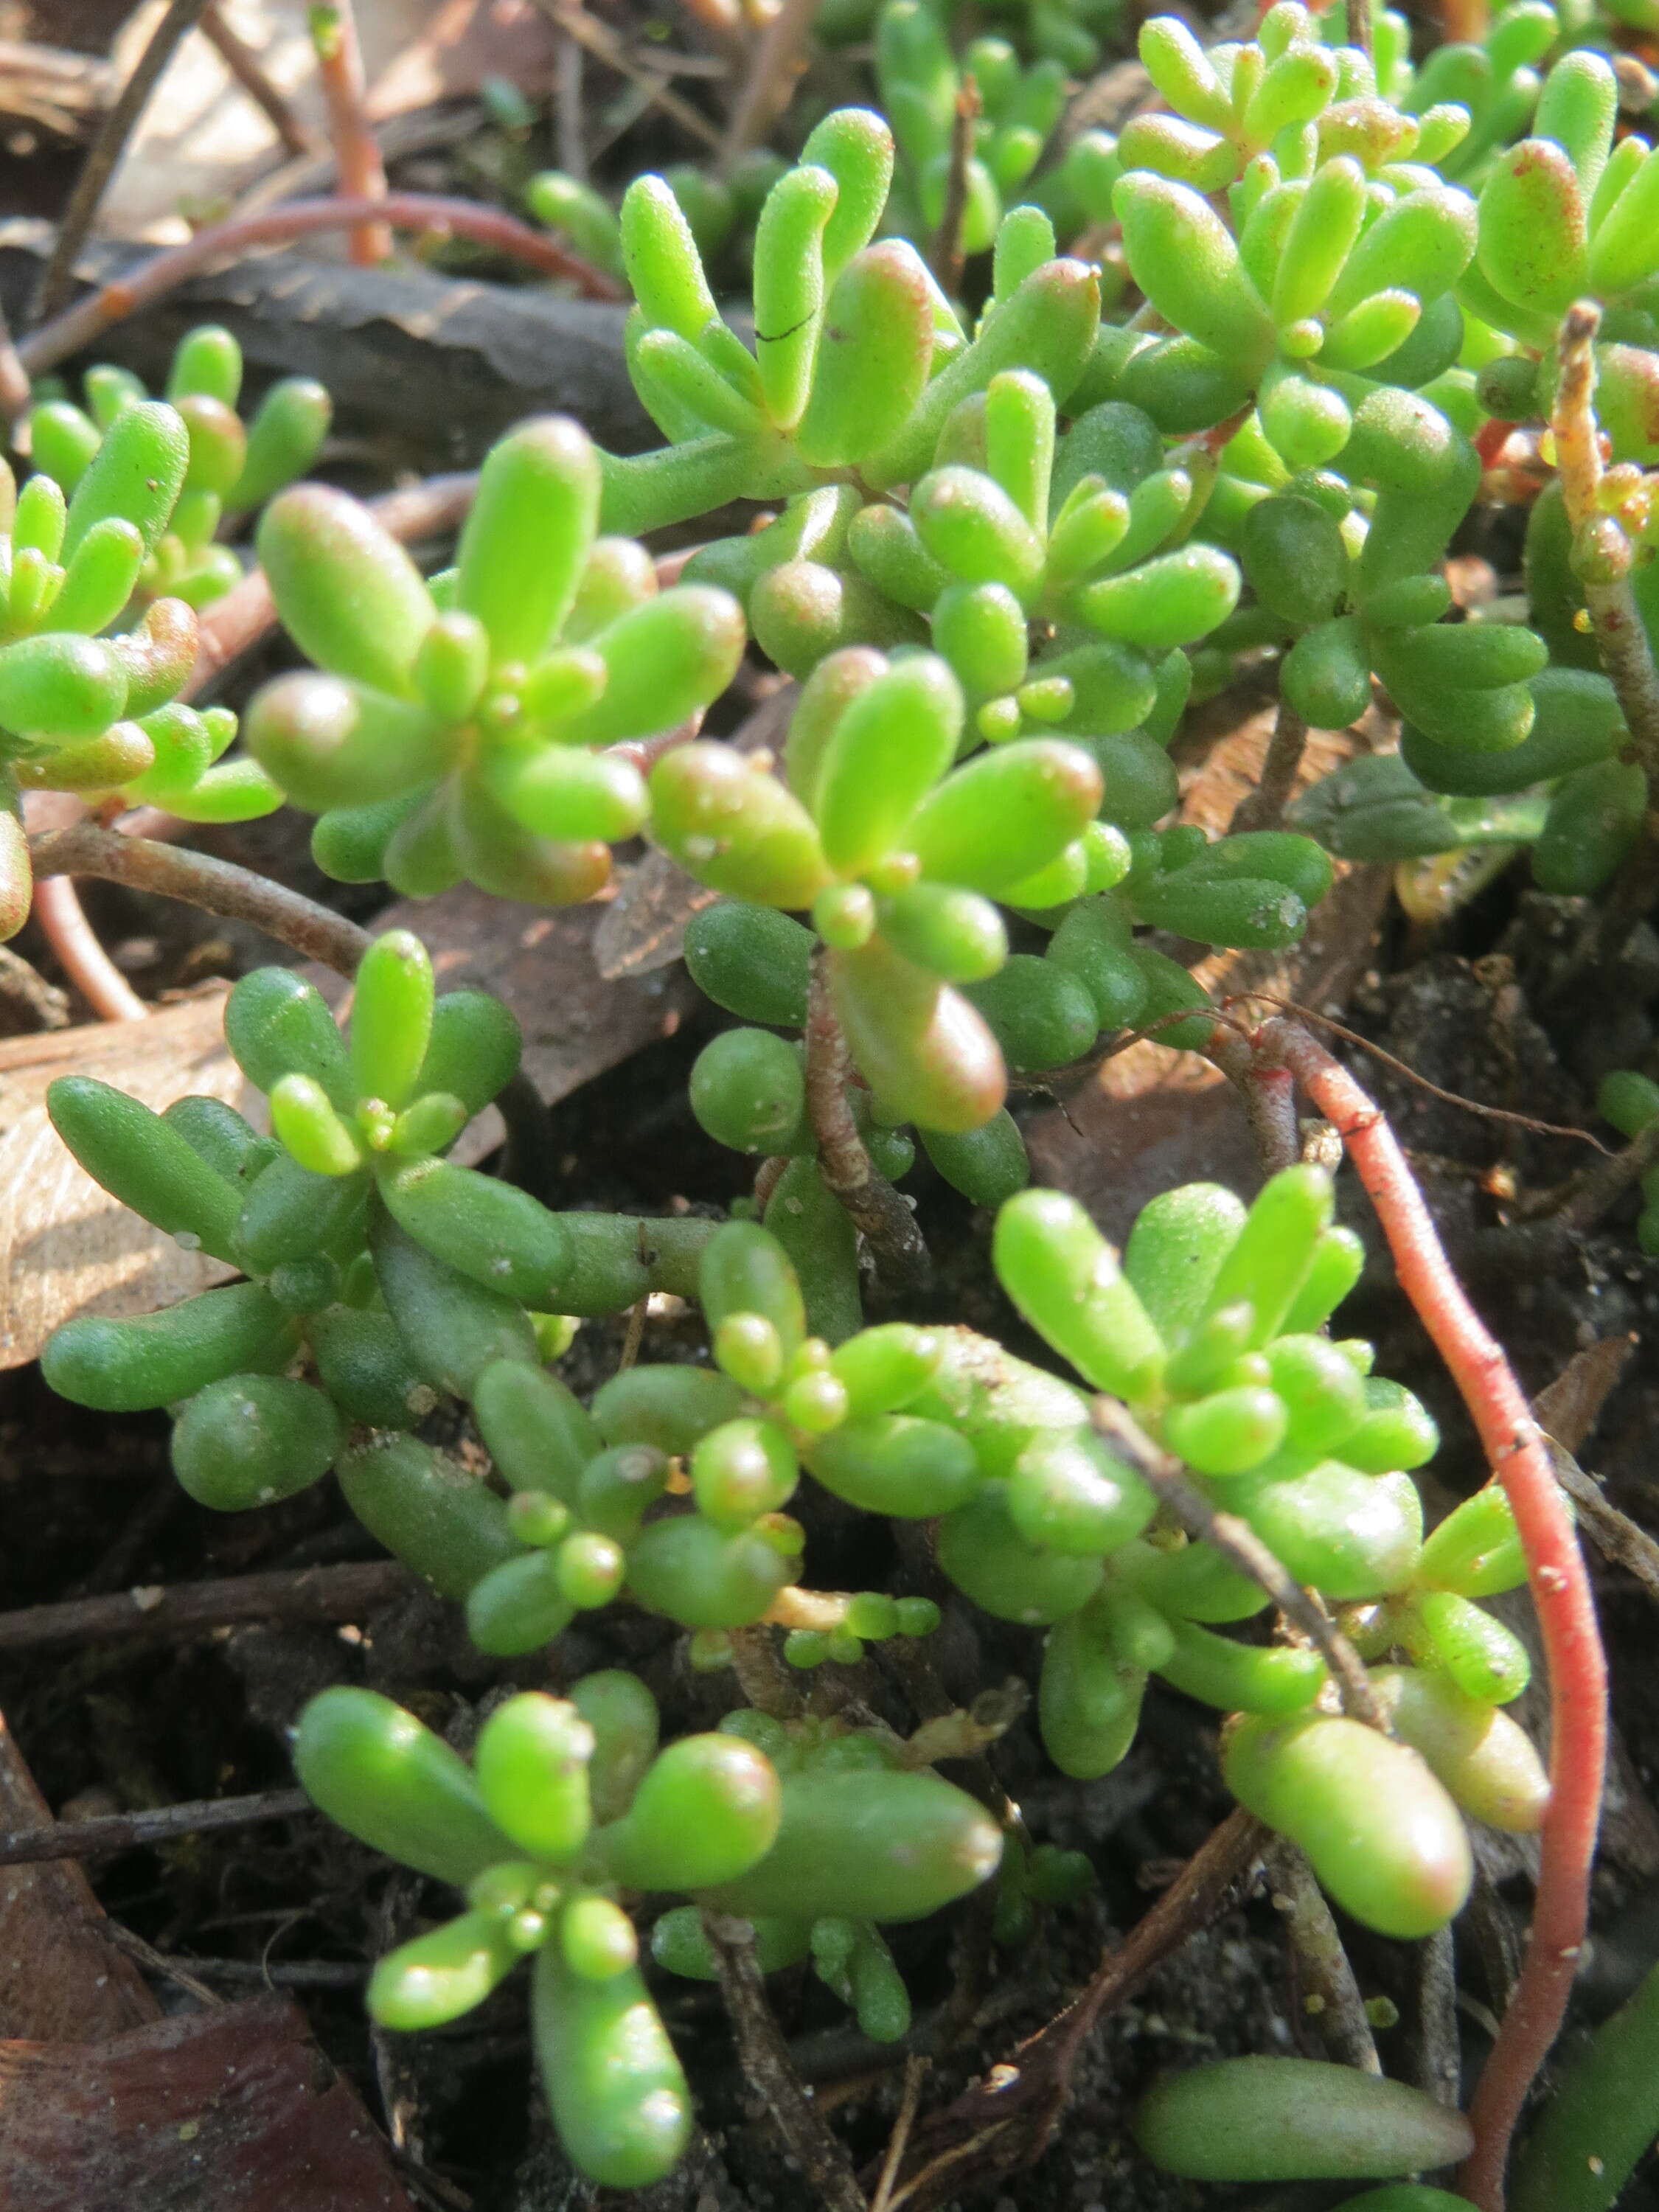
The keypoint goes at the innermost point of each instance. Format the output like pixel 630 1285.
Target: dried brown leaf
pixel 234 2108
pixel 67 1246
pixel 61 1979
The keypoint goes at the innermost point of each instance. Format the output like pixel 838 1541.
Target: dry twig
pixel 199 880
pixel 185 1609
pixel 1325 1979
pixel 105 150
pixel 779 58
pixel 297 137
pixel 824 2163
pixel 604 45
pixel 946 255
pixel 88 319
pixel 164 1823
pixel 1264 807
pixel 1241 1547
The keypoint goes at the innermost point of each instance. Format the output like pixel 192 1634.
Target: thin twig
pixel 62 920
pixel 823 2162
pixel 88 318
pixel 1325 1977
pixel 569 125
pixel 605 46
pixel 239 58
pixel 1009 2116
pixel 1580 1204
pixel 1531 1122
pixel 105 151
pixel 915 2069
pixel 1439 2052
pixel 779 58
pixel 199 880
pixel 341 1592
pixel 1360 25
pixel 164 1823
pixel 945 257
pixel 27 997
pixel 1516 1451
pixel 358 162
pixel 1241 1547
pixel 875 1207
pixel 1264 807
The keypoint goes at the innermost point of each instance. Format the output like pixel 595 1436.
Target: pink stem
pixel 358 162
pixel 79 326
pixel 83 959
pixel 1560 1587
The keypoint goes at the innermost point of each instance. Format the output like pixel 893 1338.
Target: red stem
pixel 1560 1589
pixel 79 326
pixel 358 162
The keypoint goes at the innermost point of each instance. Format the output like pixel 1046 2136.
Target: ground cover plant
pixel 805 1534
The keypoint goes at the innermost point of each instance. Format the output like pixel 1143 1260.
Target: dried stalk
pixel 343 1593
pixel 1264 807
pixel 1005 2122
pixel 604 45
pixel 298 138
pixel 165 1824
pixel 1518 1454
pixel 199 880
pixel 358 162
pixel 1324 1976
pixel 105 151
pixel 88 319
pixel 1241 1547
pixel 876 1208
pixel 779 58
pixel 945 257
pixel 824 2163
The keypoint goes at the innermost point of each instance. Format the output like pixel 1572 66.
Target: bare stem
pixel 877 1210
pixel 126 1832
pixel 779 58
pixel 1241 1547
pixel 105 151
pixel 298 138
pixel 1360 25
pixel 358 162
pixel 824 2163
pixel 1264 807
pixel 63 919
pixel 1519 1456
pixel 343 1593
pixel 199 880
pixel 1439 2056
pixel 605 46
pixel 88 319
pixel 1325 1977
pixel 946 255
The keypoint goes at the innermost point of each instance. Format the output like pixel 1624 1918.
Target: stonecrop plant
pixel 1041 436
